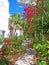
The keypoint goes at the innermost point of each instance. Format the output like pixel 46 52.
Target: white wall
pixel 4 15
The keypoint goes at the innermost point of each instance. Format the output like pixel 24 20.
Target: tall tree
pixel 16 20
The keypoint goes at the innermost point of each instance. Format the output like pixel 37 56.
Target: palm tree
pixel 15 21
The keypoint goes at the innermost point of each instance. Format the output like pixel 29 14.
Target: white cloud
pixel 20 6
pixel 18 0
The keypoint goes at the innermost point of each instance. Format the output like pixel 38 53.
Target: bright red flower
pixel 30 14
pixel 26 9
pixel 6 41
pixel 29 11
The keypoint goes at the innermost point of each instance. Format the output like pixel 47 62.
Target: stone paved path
pixel 27 58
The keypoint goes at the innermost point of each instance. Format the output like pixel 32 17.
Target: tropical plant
pixel 41 62
pixel 3 61
pixel 1 39
pixel 12 44
pixel 10 47
pixel 39 16
pixel 38 13
pixel 16 19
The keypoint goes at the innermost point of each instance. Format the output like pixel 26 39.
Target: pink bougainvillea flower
pixel 30 11
pixel 30 14
pixel 25 9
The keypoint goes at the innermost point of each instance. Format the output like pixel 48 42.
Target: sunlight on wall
pixel 4 15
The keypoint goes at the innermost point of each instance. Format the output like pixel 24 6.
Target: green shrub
pixel 41 62
pixel 3 61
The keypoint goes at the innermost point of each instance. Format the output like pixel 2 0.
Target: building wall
pixel 4 15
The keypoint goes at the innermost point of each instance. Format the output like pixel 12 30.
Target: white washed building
pixel 4 15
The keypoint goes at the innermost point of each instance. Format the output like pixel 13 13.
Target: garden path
pixel 27 58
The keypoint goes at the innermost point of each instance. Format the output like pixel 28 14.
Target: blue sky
pixel 14 7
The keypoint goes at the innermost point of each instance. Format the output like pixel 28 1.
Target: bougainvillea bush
pixel 37 13
pixel 30 12
pixel 37 17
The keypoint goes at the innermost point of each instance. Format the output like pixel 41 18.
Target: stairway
pixel 27 58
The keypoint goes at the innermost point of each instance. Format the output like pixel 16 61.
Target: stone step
pixel 27 58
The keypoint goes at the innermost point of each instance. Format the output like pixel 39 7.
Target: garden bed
pixel 12 59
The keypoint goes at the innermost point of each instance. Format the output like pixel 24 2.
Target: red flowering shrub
pixel 7 41
pixel 29 11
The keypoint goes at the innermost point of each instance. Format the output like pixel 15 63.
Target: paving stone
pixel 26 59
